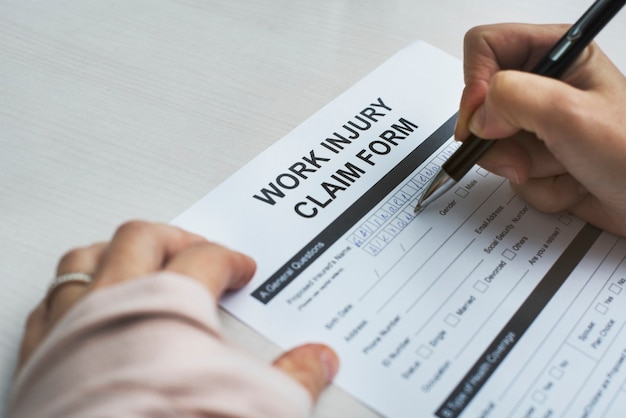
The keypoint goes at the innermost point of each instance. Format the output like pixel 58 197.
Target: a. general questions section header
pixel 336 229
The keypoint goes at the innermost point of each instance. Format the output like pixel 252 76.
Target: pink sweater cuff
pixel 150 347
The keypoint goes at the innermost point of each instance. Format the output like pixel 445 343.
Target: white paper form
pixel 477 306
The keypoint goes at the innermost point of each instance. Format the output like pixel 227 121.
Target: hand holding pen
pixel 565 146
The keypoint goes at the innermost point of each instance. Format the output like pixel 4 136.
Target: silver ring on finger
pixel 75 277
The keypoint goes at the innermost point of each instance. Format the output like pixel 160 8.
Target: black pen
pixel 556 61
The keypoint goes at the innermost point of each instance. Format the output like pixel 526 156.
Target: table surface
pixel 115 110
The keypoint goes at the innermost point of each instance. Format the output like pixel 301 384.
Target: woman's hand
pixel 138 249
pixel 563 142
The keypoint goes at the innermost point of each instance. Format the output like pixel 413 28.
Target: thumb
pixel 312 365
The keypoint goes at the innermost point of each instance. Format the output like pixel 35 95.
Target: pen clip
pixel 577 30
pixel 578 37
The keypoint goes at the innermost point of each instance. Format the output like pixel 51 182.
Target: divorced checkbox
pixel 508 254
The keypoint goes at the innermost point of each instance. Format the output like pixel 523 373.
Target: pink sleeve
pixel 150 347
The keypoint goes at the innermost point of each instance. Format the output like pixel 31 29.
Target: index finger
pixel 217 267
pixel 491 48
pixel 139 248
pixel 506 46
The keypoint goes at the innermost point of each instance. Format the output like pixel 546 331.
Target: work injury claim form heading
pixel 477 306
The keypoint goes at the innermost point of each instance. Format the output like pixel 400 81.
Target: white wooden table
pixel 119 109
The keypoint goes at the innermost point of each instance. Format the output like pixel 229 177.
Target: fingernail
pixel 508 173
pixel 330 362
pixel 477 122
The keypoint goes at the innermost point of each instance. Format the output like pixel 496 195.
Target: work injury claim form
pixel 477 306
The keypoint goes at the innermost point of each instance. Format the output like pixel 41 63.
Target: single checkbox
pixel 424 352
